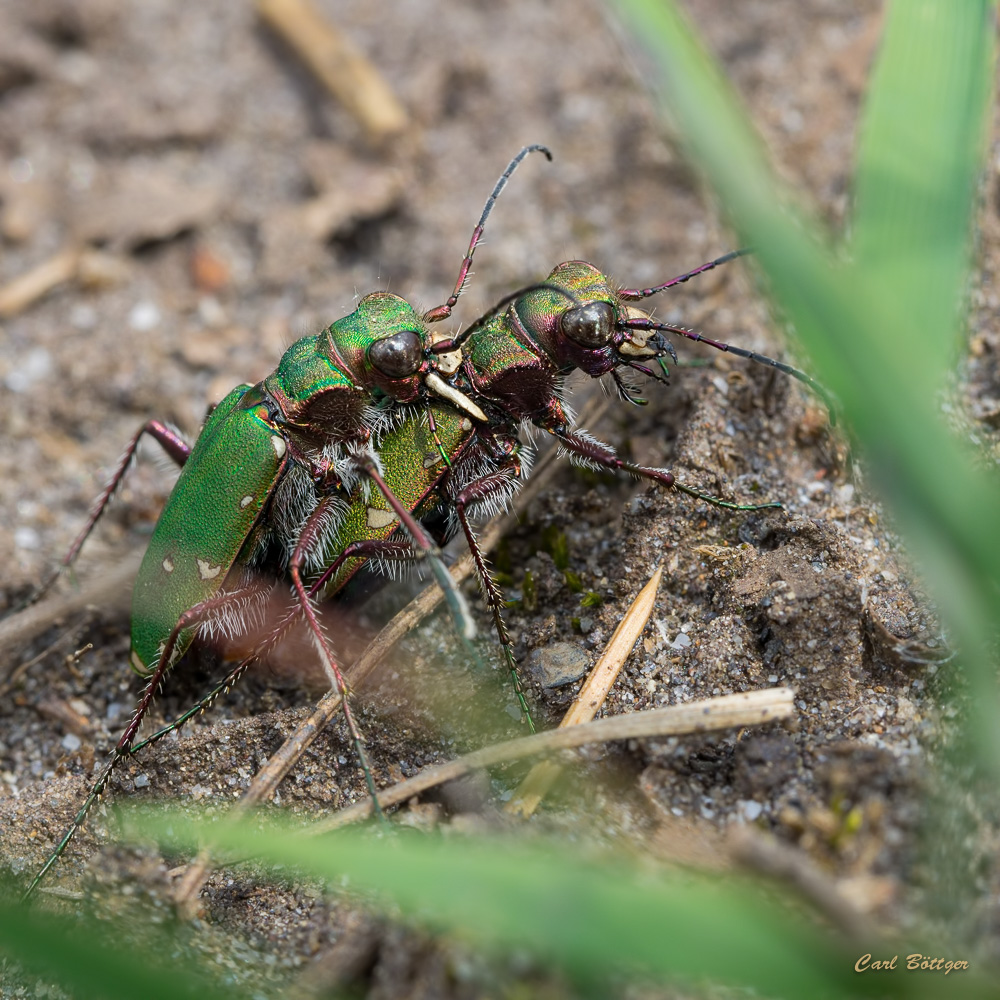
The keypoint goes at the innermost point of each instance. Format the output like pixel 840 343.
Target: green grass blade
pixel 918 161
pixel 92 960
pixel 593 917
pixel 852 318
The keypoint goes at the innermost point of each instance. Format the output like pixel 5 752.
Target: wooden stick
pixel 730 711
pixel 592 694
pixel 345 72
pixel 27 288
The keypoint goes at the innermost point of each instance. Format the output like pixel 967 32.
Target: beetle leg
pixel 308 539
pixel 172 443
pixel 365 549
pixel 498 481
pixel 124 747
pixel 600 455
pixel 202 705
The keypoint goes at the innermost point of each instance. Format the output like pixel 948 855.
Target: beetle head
pixel 586 327
pixel 381 344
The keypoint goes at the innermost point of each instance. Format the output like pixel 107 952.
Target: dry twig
pixel 106 589
pixel 82 264
pixel 730 711
pixel 349 76
pixel 588 702
pixel 27 288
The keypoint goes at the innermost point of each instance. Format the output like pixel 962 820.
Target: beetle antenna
pixel 454 343
pixel 761 359
pixel 444 311
pixel 634 294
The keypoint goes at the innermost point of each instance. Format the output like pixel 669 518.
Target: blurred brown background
pixel 181 197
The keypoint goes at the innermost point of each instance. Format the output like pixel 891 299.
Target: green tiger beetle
pixel 311 439
pixel 273 470
pixel 506 369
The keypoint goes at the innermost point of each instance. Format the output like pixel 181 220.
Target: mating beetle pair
pixel 361 432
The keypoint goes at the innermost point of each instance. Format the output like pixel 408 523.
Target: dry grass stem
pixel 345 72
pixel 731 711
pixel 592 694
pixel 106 590
pixel 18 294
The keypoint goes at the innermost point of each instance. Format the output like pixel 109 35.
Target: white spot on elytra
pixel 431 459
pixel 247 500
pixel 380 518
pixel 206 571
pixel 279 445
pixel 168 566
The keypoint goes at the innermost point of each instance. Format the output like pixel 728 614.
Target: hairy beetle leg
pixel 124 747
pixel 201 705
pixel 483 489
pixel 366 549
pixel 594 452
pixel 171 442
pixel 426 547
pixel 307 540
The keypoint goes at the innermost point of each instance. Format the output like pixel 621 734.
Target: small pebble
pixel 83 316
pixel 144 316
pixel 558 664
pixel 27 538
pixel 36 365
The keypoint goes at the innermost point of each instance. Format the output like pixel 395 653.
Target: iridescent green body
pixel 414 463
pixel 310 390
pixel 235 464
pixel 311 414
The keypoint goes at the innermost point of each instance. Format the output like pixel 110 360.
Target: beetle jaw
pixel 634 343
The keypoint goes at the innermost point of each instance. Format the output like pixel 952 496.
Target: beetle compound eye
pixel 399 355
pixel 591 325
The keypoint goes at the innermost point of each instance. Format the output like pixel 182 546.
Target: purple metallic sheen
pixel 567 355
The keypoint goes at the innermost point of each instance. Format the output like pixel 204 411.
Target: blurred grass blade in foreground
pixel 593 917
pixel 96 959
pixel 881 314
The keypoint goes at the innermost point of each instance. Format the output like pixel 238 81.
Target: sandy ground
pixel 229 206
